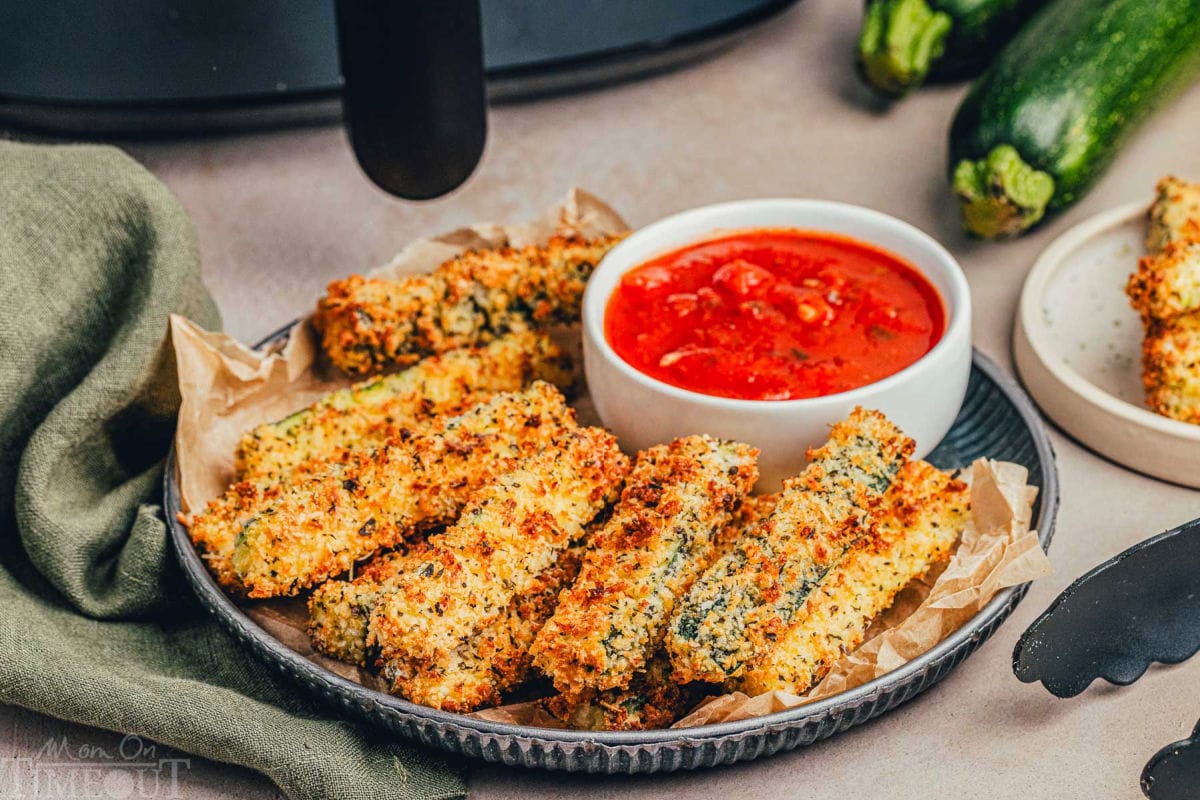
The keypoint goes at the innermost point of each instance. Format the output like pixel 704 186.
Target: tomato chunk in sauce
pixel 774 314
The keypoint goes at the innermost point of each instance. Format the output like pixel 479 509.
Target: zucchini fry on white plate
pixel 1171 367
pixel 1175 215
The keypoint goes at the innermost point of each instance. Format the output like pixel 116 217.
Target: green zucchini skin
pixel 980 30
pixel 905 42
pixel 1065 95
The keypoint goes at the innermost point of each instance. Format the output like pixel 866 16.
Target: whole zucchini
pixel 904 41
pixel 1051 112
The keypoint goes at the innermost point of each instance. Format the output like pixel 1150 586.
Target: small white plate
pixel 1077 345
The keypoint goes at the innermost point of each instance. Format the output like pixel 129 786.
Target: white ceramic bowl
pixel 923 399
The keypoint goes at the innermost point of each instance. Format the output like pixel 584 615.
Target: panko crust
pixel 512 530
pixel 660 538
pixel 744 601
pixel 1166 284
pixel 1171 368
pixel 369 325
pixel 1175 214
pixel 915 527
pixel 366 415
pixel 481 670
pixel 317 528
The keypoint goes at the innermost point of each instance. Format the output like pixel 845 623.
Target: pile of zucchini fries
pixel 456 530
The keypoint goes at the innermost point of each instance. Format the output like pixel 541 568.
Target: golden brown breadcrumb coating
pixel 319 527
pixel 368 325
pixel 513 530
pixel 493 661
pixel 1166 284
pixel 366 415
pixel 915 528
pixel 653 699
pixel 1171 367
pixel 1175 215
pixel 214 531
pixel 749 596
pixel 661 536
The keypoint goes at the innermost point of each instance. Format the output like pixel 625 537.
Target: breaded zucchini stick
pixel 1167 284
pixel 514 529
pixel 659 539
pixel 317 528
pixel 492 662
pixel 916 527
pixel 338 611
pixel 1175 215
pixel 1171 367
pixel 368 414
pixel 214 531
pixel 750 595
pixel 750 514
pixel 370 325
pixel 652 700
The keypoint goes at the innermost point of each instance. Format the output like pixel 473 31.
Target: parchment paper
pixel 227 388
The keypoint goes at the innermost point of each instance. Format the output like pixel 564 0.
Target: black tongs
pixel 1138 608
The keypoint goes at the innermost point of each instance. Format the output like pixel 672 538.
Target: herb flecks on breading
pixel 318 528
pixel 916 527
pixel 512 530
pixel 369 325
pixel 661 536
pixel 366 415
pixel 748 597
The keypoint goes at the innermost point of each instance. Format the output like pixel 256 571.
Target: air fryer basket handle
pixel 414 97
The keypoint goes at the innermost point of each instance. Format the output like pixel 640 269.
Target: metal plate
pixel 997 421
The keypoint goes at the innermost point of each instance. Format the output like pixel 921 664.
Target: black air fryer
pixel 413 75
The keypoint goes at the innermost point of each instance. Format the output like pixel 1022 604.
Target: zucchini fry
pixel 659 539
pixel 514 529
pixel 917 526
pixel 1171 367
pixel 368 414
pixel 496 660
pixel 319 527
pixel 214 531
pixel 753 511
pixel 338 611
pixel 1167 284
pixel 1175 215
pixel 370 325
pixel 652 700
pixel 749 596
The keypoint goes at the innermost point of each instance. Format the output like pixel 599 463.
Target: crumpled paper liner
pixel 227 388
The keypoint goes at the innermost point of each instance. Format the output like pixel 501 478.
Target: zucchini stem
pixel 899 41
pixel 1001 195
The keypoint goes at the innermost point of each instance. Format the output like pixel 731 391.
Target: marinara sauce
pixel 774 314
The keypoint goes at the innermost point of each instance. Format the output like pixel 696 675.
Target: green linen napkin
pixel 96 623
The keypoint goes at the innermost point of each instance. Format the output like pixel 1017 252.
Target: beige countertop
pixel 281 214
